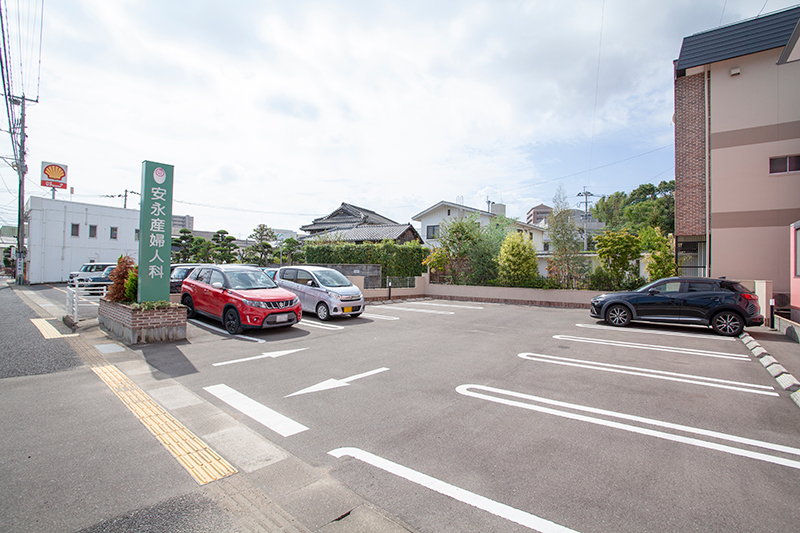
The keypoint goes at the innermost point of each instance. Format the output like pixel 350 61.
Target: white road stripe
pixel 380 317
pixel 657 332
pixel 470 498
pixel 656 347
pixel 448 305
pixel 431 311
pixel 656 374
pixel 320 325
pixel 286 427
pixel 262 356
pixel 212 328
pixel 465 390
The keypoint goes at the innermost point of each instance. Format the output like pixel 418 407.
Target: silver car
pixel 321 290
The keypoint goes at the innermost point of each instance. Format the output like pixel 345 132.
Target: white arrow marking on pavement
pixel 262 356
pixel 623 344
pixel 470 498
pixel 336 383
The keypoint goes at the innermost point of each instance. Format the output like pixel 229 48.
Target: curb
pixel 786 380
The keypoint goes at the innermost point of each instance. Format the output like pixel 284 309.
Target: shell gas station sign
pixel 54 175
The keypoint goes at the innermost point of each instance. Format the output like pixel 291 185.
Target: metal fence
pixel 83 299
pixel 383 283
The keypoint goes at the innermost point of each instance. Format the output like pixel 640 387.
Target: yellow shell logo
pixel 54 172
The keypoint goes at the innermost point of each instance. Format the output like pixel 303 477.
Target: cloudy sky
pixel 276 112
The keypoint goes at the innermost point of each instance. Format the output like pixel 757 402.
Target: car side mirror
pixel 311 283
pixel 654 291
pixel 217 285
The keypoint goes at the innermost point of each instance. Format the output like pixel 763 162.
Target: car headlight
pixel 334 295
pixel 294 302
pixel 254 303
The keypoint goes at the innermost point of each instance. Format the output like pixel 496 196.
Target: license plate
pixel 347 310
pixel 282 318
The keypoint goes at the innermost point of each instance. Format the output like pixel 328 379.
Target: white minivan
pixel 322 290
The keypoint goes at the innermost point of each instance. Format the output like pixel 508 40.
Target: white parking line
pixel 448 305
pixel 212 328
pixel 656 347
pixel 656 332
pixel 656 374
pixel 466 391
pixel 430 311
pixel 380 317
pixel 320 325
pixel 283 426
pixel 470 498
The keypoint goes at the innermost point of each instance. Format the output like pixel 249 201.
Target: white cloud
pixel 281 111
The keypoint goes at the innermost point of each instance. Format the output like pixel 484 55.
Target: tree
pixel 458 237
pixel 647 205
pixel 223 247
pixel 618 250
pixel 566 264
pixel 291 248
pixel 202 250
pixel 261 249
pixel 661 263
pixel 517 260
pixel 183 243
pixel 483 266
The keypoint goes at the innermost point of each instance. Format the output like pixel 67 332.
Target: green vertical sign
pixel 155 232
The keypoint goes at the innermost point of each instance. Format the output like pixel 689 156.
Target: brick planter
pixel 140 326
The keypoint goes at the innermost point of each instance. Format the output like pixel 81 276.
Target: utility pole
pixel 586 194
pixel 22 169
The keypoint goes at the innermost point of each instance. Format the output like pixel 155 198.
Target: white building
pixel 431 219
pixel 62 236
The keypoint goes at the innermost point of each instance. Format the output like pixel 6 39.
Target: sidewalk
pixel 80 459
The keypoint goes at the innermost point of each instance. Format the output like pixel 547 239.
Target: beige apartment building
pixel 737 149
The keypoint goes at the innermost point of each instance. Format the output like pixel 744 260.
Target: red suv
pixel 239 296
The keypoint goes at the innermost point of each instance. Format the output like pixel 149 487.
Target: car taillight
pixel 749 296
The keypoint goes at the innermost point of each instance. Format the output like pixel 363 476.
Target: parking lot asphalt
pixel 75 457
pixel 80 459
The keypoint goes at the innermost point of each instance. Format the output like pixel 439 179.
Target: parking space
pixel 458 416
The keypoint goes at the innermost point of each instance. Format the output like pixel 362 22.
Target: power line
pixel 595 168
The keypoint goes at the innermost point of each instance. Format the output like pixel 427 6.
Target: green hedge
pixel 396 260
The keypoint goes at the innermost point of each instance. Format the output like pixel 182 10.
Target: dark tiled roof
pixel 735 40
pixel 346 216
pixel 373 233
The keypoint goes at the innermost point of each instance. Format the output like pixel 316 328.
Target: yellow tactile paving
pixel 48 331
pixel 200 461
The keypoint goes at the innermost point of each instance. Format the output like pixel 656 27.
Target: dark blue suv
pixel 724 305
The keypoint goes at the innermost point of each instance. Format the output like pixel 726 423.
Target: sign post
pixel 155 232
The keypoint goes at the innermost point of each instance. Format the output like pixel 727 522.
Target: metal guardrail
pixel 83 298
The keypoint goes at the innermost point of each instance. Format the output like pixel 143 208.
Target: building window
pixel 136 234
pixel 113 233
pixel 797 253
pixel 782 165
pixel 92 232
pixel 432 232
pixel 76 230
pixel 546 247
